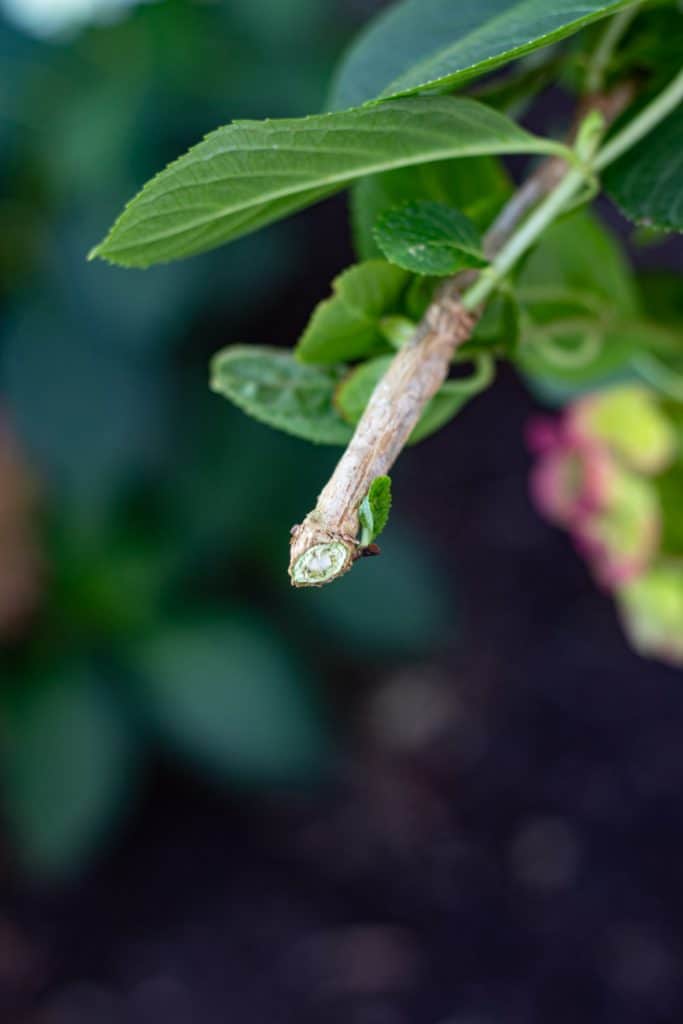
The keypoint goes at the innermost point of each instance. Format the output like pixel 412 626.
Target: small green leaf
pixel 251 173
pixel 438 44
pixel 270 385
pixel 373 513
pixel 429 238
pixel 479 186
pixel 232 698
pixel 647 182
pixel 353 394
pixel 347 326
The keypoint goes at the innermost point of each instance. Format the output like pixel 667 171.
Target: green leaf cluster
pixel 426 183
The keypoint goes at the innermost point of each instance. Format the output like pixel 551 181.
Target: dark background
pixel 472 814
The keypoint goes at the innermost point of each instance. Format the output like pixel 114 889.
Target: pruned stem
pixel 326 544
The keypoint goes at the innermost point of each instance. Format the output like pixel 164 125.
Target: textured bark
pixel 415 375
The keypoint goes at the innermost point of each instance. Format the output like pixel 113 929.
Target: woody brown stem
pixel 415 375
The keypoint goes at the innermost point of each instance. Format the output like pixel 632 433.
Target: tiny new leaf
pixel 373 513
pixel 429 238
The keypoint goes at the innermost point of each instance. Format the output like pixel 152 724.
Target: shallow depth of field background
pixel 443 791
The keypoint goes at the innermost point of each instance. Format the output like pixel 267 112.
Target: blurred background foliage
pixel 340 805
pixel 143 523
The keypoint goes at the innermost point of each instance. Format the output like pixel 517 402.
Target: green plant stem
pixel 614 32
pixel 643 123
pixel 523 239
pixel 567 189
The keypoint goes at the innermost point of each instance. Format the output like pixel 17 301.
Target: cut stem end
pixel 322 563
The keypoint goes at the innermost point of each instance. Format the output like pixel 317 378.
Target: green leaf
pixel 578 254
pixel 250 173
pixel 476 185
pixel 231 697
pixel 373 513
pixel 347 326
pixel 647 182
pixel 273 387
pixel 352 396
pixel 66 769
pixel 429 238
pixel 438 44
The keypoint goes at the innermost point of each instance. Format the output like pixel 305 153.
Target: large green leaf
pixel 346 327
pixel 250 173
pixel 477 185
pixel 647 182
pixel 232 698
pixel 273 387
pixel 66 764
pixel 352 396
pixel 438 44
pixel 429 238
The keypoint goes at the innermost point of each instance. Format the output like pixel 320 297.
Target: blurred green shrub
pixel 156 619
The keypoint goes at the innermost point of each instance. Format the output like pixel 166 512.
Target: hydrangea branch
pixel 326 544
